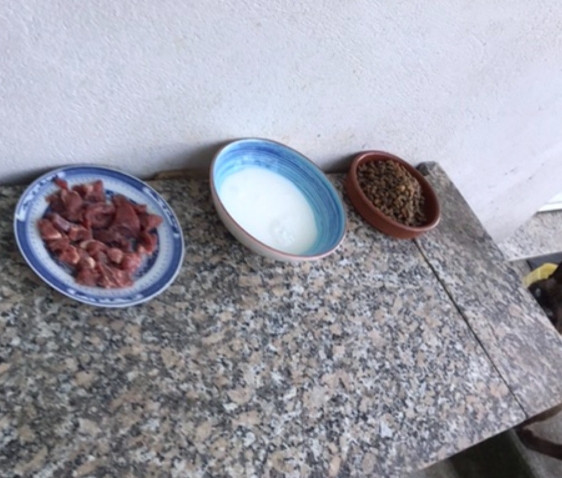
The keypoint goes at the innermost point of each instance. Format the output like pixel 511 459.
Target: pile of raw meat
pixel 103 241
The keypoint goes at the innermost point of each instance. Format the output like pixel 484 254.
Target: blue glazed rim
pixel 155 279
pixel 312 172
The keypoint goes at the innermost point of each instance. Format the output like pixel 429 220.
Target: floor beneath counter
pixel 503 456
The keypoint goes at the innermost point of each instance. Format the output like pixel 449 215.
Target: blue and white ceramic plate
pixel 155 275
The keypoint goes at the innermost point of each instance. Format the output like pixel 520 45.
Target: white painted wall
pixel 148 85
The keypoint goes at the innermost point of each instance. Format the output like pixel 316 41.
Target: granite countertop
pixel 377 360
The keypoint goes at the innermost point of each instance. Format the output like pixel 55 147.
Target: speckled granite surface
pixel 519 339
pixel 355 366
pixel 539 236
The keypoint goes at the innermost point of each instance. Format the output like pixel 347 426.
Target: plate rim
pixel 83 297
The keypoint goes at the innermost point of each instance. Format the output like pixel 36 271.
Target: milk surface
pixel 271 208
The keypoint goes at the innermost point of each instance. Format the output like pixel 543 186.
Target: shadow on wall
pixel 198 161
pixel 195 159
pixel 168 157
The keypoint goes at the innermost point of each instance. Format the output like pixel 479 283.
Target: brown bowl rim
pixel 428 190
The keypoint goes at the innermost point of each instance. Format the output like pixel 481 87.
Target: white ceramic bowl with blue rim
pixel 156 273
pixel 275 201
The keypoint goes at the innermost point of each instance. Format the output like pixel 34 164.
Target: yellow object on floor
pixel 539 273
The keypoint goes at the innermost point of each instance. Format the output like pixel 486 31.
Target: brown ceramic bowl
pixel 373 215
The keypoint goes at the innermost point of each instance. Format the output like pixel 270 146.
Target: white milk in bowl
pixel 270 208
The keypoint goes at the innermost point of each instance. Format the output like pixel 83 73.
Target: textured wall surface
pixel 147 85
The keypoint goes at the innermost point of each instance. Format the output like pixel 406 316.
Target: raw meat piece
pixel 112 277
pixel 93 192
pixel 92 246
pixel 69 256
pixel 99 215
pixel 47 230
pixel 85 262
pixel 115 255
pixel 88 276
pixel 73 205
pixel 85 258
pixel 112 238
pixel 58 245
pixel 150 222
pixel 55 202
pixel 59 222
pixel 61 183
pixel 146 243
pixel 126 221
pixel 131 262
pixel 79 233
pixel 139 208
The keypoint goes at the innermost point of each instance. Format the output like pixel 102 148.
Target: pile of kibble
pixel 393 190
